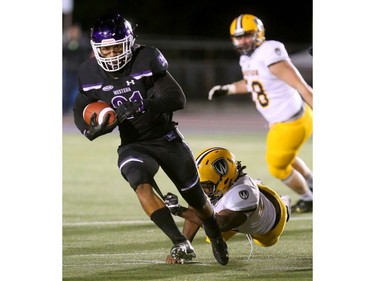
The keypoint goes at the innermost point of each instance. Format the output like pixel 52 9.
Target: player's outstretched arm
pixel 218 91
pixel 171 201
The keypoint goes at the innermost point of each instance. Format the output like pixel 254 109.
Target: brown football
pixel 102 109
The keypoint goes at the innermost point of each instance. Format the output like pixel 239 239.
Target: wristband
pixel 231 88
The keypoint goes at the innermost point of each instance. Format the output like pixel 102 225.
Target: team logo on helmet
pixel 220 166
pixel 244 194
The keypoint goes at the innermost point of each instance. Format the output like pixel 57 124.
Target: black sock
pixel 164 220
pixel 211 228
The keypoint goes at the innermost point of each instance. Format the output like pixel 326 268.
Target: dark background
pixel 194 37
pixel 289 21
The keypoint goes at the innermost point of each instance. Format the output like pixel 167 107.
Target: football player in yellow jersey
pixel 282 97
pixel 241 203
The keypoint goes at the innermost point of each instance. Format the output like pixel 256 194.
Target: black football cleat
pixel 302 207
pixel 183 251
pixel 220 250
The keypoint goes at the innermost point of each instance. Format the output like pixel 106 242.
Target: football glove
pixel 129 109
pixel 171 201
pixel 220 90
pixel 95 129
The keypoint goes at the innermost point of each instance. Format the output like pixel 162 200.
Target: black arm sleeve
pixel 79 105
pixel 170 96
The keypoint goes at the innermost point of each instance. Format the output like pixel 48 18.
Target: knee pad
pixel 136 172
pixel 280 163
pixel 280 173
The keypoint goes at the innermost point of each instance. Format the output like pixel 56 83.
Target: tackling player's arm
pixel 226 220
pixel 287 72
pixel 191 227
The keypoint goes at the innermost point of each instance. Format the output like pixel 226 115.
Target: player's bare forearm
pixel 306 93
pixel 190 229
pixel 240 87
pixel 190 215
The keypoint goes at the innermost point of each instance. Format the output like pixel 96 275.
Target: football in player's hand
pixel 101 109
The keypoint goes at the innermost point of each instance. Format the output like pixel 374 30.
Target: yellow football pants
pixel 284 140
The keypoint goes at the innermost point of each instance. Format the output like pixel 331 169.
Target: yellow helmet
pixel 247 24
pixel 218 171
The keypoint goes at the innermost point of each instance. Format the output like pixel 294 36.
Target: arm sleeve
pixel 169 95
pixel 79 105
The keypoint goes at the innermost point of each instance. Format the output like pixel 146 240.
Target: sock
pixel 164 220
pixel 308 196
pixel 309 181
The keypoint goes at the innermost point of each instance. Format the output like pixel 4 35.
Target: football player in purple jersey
pixel 135 81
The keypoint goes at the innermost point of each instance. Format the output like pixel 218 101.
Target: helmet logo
pixel 220 166
pixel 108 41
pixel 244 194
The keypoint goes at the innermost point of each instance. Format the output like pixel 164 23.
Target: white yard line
pixel 140 222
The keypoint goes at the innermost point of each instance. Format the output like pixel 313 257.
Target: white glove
pixel 221 90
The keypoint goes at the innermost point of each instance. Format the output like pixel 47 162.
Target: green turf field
pixel 107 236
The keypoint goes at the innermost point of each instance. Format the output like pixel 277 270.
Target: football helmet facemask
pixel 112 32
pixel 218 171
pixel 247 25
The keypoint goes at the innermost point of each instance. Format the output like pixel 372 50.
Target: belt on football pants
pixel 297 115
